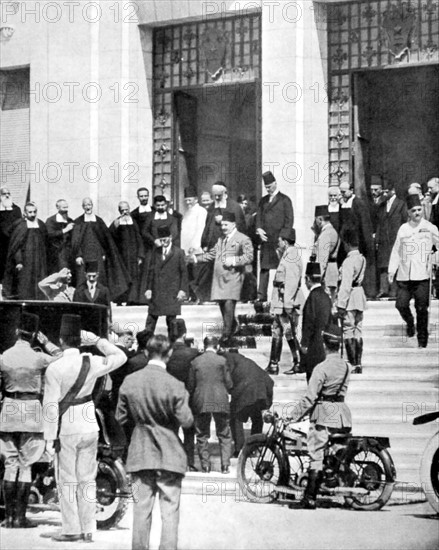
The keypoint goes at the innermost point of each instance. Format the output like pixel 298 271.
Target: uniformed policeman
pixel 21 426
pixel 286 302
pixel 324 400
pixel 326 249
pixel 410 260
pixel 351 299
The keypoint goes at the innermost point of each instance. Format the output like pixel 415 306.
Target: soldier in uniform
pixel 326 249
pixel 21 428
pixel 351 299
pixel 328 385
pixel 316 315
pixel 409 260
pixel 286 302
pixel 78 433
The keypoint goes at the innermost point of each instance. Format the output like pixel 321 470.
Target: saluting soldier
pixel 351 299
pixel 21 426
pixel 326 249
pixel 286 302
pixel 409 260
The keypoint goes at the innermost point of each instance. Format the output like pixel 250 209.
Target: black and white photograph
pixel 219 274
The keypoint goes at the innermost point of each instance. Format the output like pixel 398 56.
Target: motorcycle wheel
pixel 429 473
pixel 111 480
pixel 260 486
pixel 371 469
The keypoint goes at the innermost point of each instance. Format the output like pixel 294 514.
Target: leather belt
pixel 356 285
pixel 80 400
pixel 333 398
pixel 332 260
pixel 24 396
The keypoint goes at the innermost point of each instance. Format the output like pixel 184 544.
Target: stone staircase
pixel 399 381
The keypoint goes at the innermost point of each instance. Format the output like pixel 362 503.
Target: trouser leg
pixel 145 484
pixel 237 428
pixel 228 312
pixel 189 444
pixel 169 486
pixel 169 319
pixel 86 471
pixel 384 282
pixel 257 422
pixel 222 425
pixel 202 430
pixel 65 466
pixel 402 304
pixel 264 276
pixel 420 292
pixel 151 322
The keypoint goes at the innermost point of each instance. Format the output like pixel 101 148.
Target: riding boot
pixel 358 356
pixel 276 350
pixel 310 496
pixel 9 496
pixel 23 491
pixel 350 350
pixel 295 369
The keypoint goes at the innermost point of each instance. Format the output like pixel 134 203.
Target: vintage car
pixel 113 488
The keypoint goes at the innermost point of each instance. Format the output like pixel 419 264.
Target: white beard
pixel 6 204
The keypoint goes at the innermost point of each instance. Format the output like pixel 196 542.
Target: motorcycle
pixel 360 469
pixel 429 471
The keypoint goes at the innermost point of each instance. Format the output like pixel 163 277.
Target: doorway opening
pixel 396 126
pixel 217 138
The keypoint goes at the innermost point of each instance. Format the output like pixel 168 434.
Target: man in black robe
pixel 26 261
pixel 59 232
pixel 9 213
pixel 126 235
pixel 92 240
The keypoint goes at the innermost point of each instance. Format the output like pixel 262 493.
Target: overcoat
pixel 59 245
pixel 165 280
pixel 212 230
pixel 272 217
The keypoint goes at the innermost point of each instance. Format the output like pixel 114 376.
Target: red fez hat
pixel 70 326
pixel 321 210
pixel 29 322
pixel 91 266
pixel 163 231
pixel 412 201
pixel 229 216
pixel 289 234
pixel 178 328
pixel 189 192
pixel 268 178
pixel 313 269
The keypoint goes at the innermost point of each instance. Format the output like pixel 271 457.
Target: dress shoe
pixel 206 469
pixel 225 470
pixel 66 538
pixel 273 368
pixel 295 369
pixel 87 537
pixel 381 295
pixel 410 331
pixel 191 468
pixel 422 344
pixel 357 370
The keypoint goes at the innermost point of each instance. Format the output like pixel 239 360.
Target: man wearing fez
pixel 59 238
pixel 392 213
pixel 9 213
pixel 26 263
pixel 57 286
pixel 232 252
pixel 92 291
pixel 179 365
pixel 91 240
pixel 410 261
pixel 326 249
pixel 286 302
pixel 167 281
pixel 351 299
pixel 275 212
pixel 126 235
pixel 76 430
pixel 21 424
pixel 316 316
pixel 160 217
pixel 152 406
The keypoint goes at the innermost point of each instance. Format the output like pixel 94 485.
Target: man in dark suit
pixel 92 291
pixel 275 212
pixel 141 213
pixel 433 188
pixel 252 393
pixel 59 238
pixel 160 217
pixel 392 213
pixel 167 282
pixel 179 365
pixel 209 384
pixel 355 212
pixel 152 406
pixel 316 316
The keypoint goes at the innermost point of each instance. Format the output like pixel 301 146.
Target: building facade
pixel 99 98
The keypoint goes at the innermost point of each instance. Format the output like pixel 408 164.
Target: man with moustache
pixel 410 262
pixel 26 262
pixel 160 218
pixel 141 213
pixel 59 238
pixel 334 206
pixel 126 235
pixel 9 213
pixel 57 286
